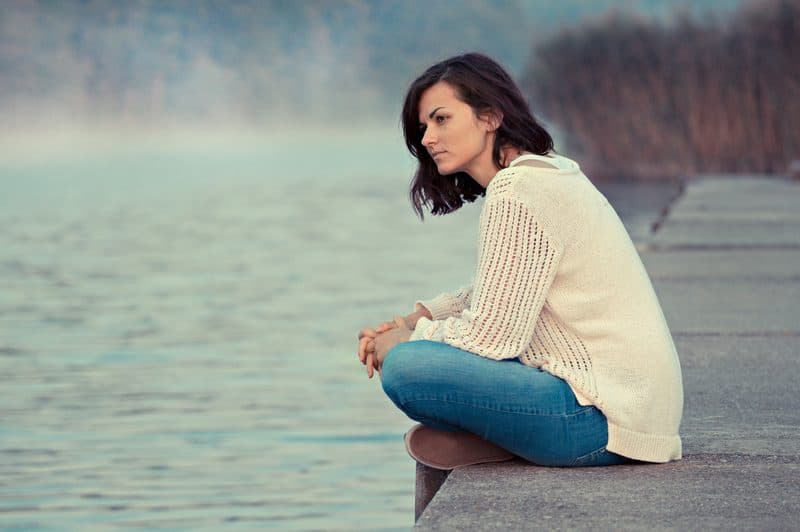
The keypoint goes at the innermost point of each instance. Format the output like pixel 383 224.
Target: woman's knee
pixel 398 367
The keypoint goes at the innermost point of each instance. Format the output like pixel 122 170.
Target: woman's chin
pixel 444 169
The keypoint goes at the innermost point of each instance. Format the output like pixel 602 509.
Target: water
pixel 178 330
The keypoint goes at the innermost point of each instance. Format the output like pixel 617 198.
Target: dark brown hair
pixel 485 86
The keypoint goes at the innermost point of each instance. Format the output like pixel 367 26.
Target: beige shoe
pixel 447 450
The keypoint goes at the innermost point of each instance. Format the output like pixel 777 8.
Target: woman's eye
pixel 440 119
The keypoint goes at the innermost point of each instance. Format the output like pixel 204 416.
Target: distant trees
pixel 646 100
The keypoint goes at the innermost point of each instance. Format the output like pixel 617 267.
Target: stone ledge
pixel 700 492
pixel 732 304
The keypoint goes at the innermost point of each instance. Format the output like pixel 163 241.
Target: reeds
pixel 642 99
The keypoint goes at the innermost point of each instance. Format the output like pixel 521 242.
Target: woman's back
pixel 601 327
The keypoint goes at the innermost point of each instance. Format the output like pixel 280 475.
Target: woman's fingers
pixel 366 343
pixel 366 331
pixel 370 364
pixel 370 357
pixel 362 349
pixel 385 326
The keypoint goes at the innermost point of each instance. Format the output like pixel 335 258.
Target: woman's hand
pixel 367 352
pixel 366 345
pixel 385 341
pixel 366 337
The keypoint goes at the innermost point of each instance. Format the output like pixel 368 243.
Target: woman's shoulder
pixel 531 168
pixel 532 182
pixel 556 197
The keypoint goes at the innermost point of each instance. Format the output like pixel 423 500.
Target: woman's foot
pixel 447 450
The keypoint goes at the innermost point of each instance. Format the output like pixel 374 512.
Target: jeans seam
pixel 590 455
pixel 581 411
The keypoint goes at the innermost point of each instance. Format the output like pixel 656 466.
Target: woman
pixel 559 351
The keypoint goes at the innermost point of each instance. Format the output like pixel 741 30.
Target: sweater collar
pixel 561 163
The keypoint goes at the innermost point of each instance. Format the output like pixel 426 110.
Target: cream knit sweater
pixel 560 285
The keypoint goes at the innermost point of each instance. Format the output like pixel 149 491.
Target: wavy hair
pixel 484 85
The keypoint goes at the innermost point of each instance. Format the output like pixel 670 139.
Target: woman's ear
pixel 493 119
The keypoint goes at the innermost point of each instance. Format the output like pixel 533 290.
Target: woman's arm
pixel 517 263
pixel 446 304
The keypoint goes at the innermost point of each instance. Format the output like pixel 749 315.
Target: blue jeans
pixel 523 409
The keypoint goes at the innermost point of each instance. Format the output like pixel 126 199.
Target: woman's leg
pixel 523 409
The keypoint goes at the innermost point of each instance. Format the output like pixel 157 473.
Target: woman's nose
pixel 427 138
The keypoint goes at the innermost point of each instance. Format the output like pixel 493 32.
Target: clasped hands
pixel 375 343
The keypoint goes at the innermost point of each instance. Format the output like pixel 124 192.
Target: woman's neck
pixel 509 153
pixel 484 175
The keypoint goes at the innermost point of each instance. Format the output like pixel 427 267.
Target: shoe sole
pixel 448 450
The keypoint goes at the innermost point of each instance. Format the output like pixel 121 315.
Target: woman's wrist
pixel 414 317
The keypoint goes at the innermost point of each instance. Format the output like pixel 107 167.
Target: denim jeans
pixel 523 409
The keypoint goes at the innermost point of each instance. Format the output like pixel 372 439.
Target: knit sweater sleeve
pixel 517 262
pixel 447 304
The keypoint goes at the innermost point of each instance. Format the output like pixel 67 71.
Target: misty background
pixel 263 63
pixel 642 89
pixel 202 202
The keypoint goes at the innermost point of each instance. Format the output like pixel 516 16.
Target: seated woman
pixel 559 351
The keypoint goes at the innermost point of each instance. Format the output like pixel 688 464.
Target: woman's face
pixel 457 139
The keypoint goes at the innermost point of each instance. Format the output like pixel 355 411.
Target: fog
pixel 133 68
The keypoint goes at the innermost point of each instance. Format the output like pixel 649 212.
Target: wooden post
pixel 429 480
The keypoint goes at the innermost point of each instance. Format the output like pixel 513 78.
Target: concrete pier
pixel 725 263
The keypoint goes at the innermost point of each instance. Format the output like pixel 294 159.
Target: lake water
pixel 178 327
